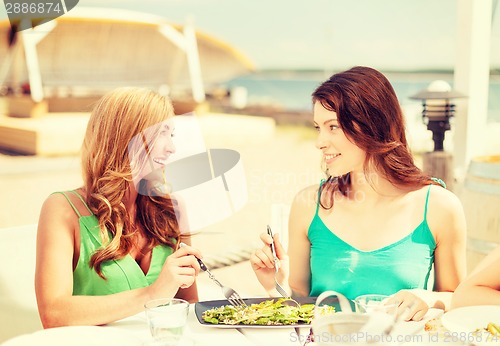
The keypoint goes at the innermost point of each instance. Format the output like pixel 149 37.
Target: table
pixel 134 331
pixel 197 334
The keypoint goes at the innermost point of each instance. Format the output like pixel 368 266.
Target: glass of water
pixel 369 303
pixel 167 318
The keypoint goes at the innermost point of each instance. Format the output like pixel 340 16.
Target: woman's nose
pixel 320 141
pixel 170 146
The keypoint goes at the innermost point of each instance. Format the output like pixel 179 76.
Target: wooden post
pixel 439 164
pixel 30 39
pixel 471 77
pixel 194 62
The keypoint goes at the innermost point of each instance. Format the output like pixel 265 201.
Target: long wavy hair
pixel 369 114
pixel 117 119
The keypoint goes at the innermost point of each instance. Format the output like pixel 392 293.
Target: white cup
pixel 347 327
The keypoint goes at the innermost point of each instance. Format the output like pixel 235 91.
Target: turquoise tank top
pixel 338 266
pixel 121 275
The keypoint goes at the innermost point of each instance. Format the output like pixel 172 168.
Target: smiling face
pixel 340 154
pixel 150 151
pixel 163 147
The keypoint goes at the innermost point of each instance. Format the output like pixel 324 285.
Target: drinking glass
pixel 167 318
pixel 369 303
pixel 341 328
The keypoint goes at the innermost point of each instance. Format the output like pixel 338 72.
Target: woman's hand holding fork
pixel 264 264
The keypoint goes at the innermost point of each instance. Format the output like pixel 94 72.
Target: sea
pixel 291 90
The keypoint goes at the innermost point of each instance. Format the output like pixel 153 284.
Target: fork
pixel 279 288
pixel 231 295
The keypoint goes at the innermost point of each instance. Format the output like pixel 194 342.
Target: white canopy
pixel 91 50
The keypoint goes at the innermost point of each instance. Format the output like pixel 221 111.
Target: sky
pixel 324 34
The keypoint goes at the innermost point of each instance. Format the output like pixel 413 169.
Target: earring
pixel 323 167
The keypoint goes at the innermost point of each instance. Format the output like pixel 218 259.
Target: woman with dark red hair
pixel 376 223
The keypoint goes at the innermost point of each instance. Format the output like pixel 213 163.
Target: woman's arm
pixel 189 293
pixel 446 220
pixel 293 274
pixel 482 286
pixel 299 248
pixel 54 275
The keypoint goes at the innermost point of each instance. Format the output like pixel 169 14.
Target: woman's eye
pixel 333 127
pixel 316 128
pixel 172 134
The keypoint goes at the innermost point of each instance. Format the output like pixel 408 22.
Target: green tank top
pixel 338 266
pixel 121 275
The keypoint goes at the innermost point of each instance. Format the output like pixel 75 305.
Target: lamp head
pixel 437 109
pixel 437 90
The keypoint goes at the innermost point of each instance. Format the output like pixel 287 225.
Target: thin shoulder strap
pixel 318 202
pixel 439 181
pixel 427 201
pixel 81 199
pixel 69 201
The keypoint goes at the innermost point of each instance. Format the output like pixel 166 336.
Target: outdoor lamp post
pixel 438 109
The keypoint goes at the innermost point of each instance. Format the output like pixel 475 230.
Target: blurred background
pixel 260 59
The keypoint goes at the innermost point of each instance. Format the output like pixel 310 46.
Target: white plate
pixel 201 307
pixel 465 321
pixel 77 336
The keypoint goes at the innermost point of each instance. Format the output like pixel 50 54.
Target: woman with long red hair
pixel 376 223
pixel 107 247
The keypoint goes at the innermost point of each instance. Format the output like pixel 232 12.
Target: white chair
pixel 18 309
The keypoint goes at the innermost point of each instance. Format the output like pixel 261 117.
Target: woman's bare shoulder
pixel 57 200
pixel 304 206
pixel 307 197
pixel 445 214
pixel 444 200
pixel 56 208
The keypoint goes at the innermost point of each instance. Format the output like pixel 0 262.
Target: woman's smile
pixel 160 160
pixel 329 158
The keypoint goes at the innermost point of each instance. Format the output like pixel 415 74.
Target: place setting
pixel 330 317
pixel 476 325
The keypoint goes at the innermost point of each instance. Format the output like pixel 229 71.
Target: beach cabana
pixel 52 74
pixel 89 51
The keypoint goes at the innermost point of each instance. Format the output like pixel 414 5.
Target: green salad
pixel 493 329
pixel 267 313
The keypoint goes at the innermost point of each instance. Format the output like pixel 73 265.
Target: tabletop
pixel 134 331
